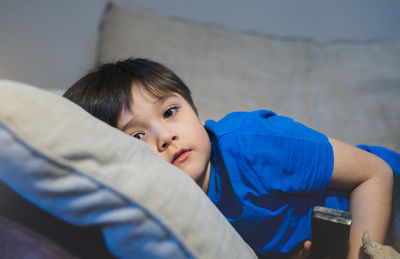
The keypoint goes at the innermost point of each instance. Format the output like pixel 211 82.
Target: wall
pixel 52 43
pixel 48 43
pixel 323 20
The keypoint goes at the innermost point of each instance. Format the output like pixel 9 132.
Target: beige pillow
pixel 348 90
pixel 84 172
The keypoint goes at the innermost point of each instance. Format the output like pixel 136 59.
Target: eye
pixel 170 112
pixel 138 135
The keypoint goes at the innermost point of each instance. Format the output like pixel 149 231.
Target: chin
pixel 196 177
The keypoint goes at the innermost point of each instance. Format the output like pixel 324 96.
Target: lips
pixel 180 156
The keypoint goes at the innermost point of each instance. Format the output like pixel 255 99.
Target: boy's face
pixel 171 127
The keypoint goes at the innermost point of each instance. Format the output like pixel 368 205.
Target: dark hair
pixel 107 90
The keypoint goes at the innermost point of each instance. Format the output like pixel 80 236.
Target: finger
pixel 307 245
pixel 305 252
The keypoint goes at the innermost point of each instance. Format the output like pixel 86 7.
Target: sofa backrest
pixel 348 90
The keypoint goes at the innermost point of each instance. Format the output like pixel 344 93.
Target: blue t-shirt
pixel 267 173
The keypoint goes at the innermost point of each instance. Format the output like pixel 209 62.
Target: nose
pixel 165 139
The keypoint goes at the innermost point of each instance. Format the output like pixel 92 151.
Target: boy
pixel 263 171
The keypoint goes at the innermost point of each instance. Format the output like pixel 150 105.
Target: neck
pixel 205 179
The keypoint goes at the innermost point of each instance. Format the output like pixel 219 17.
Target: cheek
pixel 203 140
pixel 163 155
pixel 154 147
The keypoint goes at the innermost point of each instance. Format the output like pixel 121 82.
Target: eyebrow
pixel 158 102
pixel 128 124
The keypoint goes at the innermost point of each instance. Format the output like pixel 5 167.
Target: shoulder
pixel 234 122
pixel 263 123
pixel 277 152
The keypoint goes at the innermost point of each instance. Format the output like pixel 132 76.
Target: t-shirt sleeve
pixel 284 155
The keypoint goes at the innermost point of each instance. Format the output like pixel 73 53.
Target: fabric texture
pixel 84 172
pixel 349 90
pixel 268 172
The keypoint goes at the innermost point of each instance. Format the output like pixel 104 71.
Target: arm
pixel 369 181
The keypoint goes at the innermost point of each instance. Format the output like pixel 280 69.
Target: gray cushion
pixel 84 172
pixel 348 90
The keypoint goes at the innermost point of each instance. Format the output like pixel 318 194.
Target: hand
pixel 302 253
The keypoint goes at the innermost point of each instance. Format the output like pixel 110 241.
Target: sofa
pixel 77 188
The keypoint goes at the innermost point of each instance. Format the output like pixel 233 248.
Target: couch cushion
pixel 348 90
pixel 84 172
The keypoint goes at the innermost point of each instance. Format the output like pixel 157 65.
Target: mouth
pixel 180 156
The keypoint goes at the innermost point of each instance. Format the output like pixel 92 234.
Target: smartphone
pixel 330 233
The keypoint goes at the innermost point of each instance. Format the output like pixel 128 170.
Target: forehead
pixel 155 90
pixel 141 96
